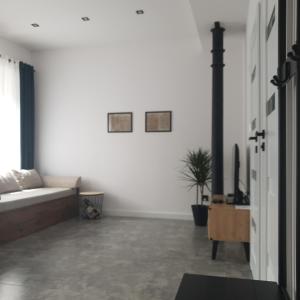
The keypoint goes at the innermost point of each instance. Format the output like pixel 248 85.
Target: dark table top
pixel 200 287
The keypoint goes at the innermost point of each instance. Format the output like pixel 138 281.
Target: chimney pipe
pixel 217 110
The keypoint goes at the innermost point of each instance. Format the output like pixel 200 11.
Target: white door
pixel 255 121
pixel 272 140
pixel 264 149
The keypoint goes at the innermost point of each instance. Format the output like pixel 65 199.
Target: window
pixel 9 114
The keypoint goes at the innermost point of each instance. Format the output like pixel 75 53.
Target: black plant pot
pixel 200 213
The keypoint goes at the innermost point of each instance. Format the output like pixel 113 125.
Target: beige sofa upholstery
pixel 36 203
pixel 55 187
pixel 62 181
pixel 25 198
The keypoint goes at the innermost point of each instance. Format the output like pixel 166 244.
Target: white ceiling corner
pixel 231 13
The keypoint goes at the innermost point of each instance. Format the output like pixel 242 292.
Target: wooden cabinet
pixel 228 223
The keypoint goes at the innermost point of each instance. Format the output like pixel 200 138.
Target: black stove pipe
pixel 217 110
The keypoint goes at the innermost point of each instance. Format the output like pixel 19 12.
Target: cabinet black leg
pixel 247 250
pixel 215 249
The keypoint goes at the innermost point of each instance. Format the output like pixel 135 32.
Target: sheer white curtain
pixel 9 115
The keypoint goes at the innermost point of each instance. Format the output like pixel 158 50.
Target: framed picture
pixel 158 121
pixel 119 122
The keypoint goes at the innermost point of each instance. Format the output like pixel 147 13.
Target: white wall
pixel 139 172
pixel 15 51
pixel 234 106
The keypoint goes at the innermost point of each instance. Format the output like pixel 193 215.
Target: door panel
pixel 254 149
pixel 264 150
pixel 272 142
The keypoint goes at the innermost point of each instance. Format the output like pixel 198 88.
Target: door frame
pixel 282 57
pixel 298 163
pixel 282 276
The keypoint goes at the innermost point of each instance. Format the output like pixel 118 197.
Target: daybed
pixel 29 202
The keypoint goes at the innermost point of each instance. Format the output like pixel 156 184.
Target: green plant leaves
pixel 197 170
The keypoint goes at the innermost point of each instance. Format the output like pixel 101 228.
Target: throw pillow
pixel 8 183
pixel 28 179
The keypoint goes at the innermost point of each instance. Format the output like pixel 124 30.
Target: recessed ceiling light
pixel 140 12
pixel 35 25
pixel 85 19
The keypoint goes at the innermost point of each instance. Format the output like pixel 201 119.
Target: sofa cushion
pixel 32 196
pixel 8 183
pixel 28 179
pixel 70 182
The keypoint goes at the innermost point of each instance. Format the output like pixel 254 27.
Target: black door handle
pixel 261 133
pixel 295 53
pixel 280 83
pixel 254 138
pixel 258 134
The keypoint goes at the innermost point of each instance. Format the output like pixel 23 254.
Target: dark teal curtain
pixel 27 115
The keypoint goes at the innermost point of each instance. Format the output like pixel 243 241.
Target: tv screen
pixel 236 178
pixel 239 197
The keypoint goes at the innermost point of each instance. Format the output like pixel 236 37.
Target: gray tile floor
pixel 112 259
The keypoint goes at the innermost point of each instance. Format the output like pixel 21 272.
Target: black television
pixel 239 197
pixel 236 171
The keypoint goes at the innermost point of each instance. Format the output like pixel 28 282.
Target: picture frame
pixel 158 121
pixel 119 122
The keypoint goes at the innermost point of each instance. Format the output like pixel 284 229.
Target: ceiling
pixel 111 21
pixel 231 13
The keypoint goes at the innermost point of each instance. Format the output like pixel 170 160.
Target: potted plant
pixel 197 172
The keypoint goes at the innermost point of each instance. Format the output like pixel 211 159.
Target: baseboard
pixel 144 214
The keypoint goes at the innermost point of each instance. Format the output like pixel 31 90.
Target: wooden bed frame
pixel 21 222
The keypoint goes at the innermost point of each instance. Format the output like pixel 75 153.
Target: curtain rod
pixel 9 59
pixel 14 60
